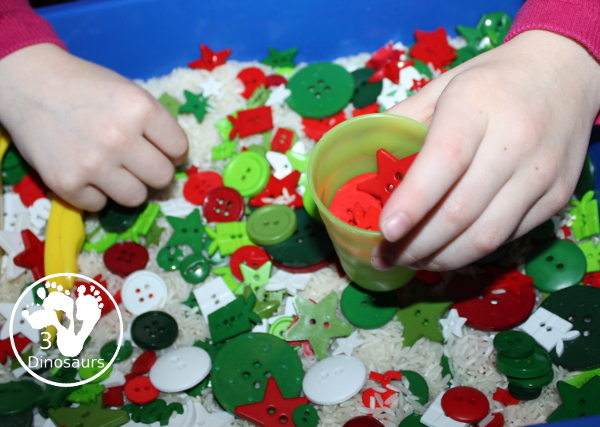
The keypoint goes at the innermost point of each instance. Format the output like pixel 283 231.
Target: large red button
pixel 140 390
pixel 143 363
pixel 253 256
pixel 466 404
pixel 199 184
pixel 223 204
pixel 125 258
pixel 363 421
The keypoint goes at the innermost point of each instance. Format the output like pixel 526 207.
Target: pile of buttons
pixel 235 308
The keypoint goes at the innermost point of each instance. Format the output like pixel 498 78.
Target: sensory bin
pixel 233 252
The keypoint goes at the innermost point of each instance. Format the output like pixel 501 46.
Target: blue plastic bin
pixel 146 38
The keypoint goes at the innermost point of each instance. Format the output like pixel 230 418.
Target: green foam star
pixel 318 323
pixel 187 231
pixel 196 104
pixel 281 58
pixel 421 319
pixel 577 402
pixel 153 235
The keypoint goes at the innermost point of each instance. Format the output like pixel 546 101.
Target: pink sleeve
pixel 20 26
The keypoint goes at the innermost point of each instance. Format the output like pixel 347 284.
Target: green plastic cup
pixel 349 150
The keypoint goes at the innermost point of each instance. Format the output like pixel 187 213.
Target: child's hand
pixel 89 132
pixel 508 136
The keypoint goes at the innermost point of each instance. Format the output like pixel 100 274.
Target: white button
pixel 143 291
pixel 180 369
pixel 334 380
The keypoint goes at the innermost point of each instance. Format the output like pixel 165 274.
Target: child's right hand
pixel 89 132
pixel 508 134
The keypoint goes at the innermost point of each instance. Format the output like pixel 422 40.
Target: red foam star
pixel 511 281
pixel 390 172
pixel 504 397
pixel 210 60
pixel 275 188
pixel 274 408
pixel 419 84
pixel 387 63
pixel 316 128
pixel 33 255
pixel 433 48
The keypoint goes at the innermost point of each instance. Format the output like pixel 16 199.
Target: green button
pixel 514 344
pixel 18 396
pixel 309 245
pixel 13 168
pixel 320 90
pixel 368 309
pixel 108 350
pixel 248 173
pixel 194 268
pixel 535 365
pixel 555 265
pixel 417 386
pixel 169 258
pixel 586 179
pixel 544 231
pixel 279 326
pixel 154 330
pixel 243 366
pixel 365 93
pixel 524 393
pixel 413 420
pixel 115 218
pixel 305 416
pixel 271 224
pixel 92 367
pixel 579 305
pixel 542 381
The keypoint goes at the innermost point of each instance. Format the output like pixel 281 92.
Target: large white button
pixel 143 291
pixel 180 369
pixel 334 380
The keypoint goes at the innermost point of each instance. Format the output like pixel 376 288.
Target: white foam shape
pixel 115 379
pixel 281 165
pixel 452 325
pixel 292 283
pixel 278 96
pixel 19 323
pixel 13 208
pixel 549 330
pixel 211 87
pixel 178 207
pixel 262 327
pixel 12 244
pixel 213 295
pixel 39 213
pixel 348 344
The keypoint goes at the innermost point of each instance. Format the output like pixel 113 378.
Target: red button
pixel 223 204
pixel 251 121
pixel 276 80
pixel 199 185
pixel 143 363
pixel 282 140
pixel 302 270
pixel 363 421
pixel 498 420
pixel 140 390
pixel 465 404
pixel 253 256
pixel 125 258
pixel 252 78
pixel 344 204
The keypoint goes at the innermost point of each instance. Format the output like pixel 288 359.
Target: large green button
pixel 365 93
pixel 514 344
pixel 195 268
pixel 271 224
pixel 579 305
pixel 115 218
pixel 248 173
pixel 243 366
pixel 17 397
pixel 535 365
pixel 169 258
pixel 555 265
pixel 320 90
pixel 417 385
pixel 154 330
pixel 309 245
pixel 536 382
pixel 368 309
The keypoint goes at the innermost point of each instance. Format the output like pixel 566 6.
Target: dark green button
pixel 365 93
pixel 536 382
pixel 535 365
pixel 305 416
pixel 24 419
pixel 413 420
pixel 555 265
pixel 195 268
pixel 17 397
pixel 586 179
pixel 14 168
pixel 544 231
pixel 514 344
pixel 579 305
pixel 108 350
pixel 154 330
pixel 244 364
pixel 115 218
pixel 271 224
pixel 169 258
pixel 320 90
pixel 309 245
pixel 417 386
pixel 368 309
pixel 524 393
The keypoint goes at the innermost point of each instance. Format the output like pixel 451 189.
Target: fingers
pixel 164 132
pixel 149 165
pixel 449 148
pixel 88 198
pixel 123 187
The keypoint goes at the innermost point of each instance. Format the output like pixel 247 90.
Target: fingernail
pixel 379 263
pixel 395 227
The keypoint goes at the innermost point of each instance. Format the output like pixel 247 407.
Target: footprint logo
pixel 86 308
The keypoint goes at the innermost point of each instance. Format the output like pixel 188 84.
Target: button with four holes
pixel 154 330
pixel 223 204
pixel 143 291
pixel 126 257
